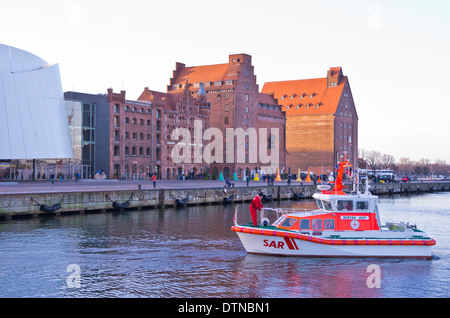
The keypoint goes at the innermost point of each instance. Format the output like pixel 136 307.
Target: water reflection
pixel 192 252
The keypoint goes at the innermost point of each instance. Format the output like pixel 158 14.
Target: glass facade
pixel 81 118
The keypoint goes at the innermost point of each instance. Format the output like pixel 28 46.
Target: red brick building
pixel 322 122
pixel 136 137
pixel 180 109
pixel 233 94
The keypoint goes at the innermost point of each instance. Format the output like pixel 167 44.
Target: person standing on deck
pixel 254 207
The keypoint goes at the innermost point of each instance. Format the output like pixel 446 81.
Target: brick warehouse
pixel 316 118
pixel 235 100
pixel 322 123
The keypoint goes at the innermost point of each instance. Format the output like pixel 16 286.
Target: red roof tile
pixel 307 97
pixel 205 73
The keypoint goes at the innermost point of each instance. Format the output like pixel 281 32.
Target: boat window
pixel 317 224
pixel 328 224
pixel 304 224
pixel 362 205
pixel 327 205
pixel 345 205
pixel 289 222
pixel 319 203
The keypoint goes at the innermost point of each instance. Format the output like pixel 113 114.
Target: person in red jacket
pixel 154 180
pixel 254 207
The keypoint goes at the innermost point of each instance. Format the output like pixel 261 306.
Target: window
pixel 246 97
pixel 116 109
pixel 304 224
pixel 319 203
pixel 362 205
pixel 317 224
pixel 345 205
pixel 327 205
pixel 289 222
pixel 246 109
pixel 328 224
pixel 226 120
pixel 227 108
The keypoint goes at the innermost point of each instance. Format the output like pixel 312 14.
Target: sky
pixel 396 54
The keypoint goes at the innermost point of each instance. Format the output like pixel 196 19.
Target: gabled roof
pixel 309 96
pixel 205 73
pixel 155 97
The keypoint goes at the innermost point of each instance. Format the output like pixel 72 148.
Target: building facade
pixel 34 134
pixel 119 136
pixel 236 103
pixel 186 111
pixel 322 122
pixel 130 139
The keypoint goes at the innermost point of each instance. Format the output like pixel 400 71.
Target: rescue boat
pixel 343 225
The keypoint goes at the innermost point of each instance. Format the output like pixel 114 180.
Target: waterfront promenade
pixel 88 185
pixel 37 197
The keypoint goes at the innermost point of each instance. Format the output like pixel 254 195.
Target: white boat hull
pixel 288 246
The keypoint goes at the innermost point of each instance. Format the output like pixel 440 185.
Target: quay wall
pixel 29 204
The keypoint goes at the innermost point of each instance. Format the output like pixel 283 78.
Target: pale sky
pixel 396 54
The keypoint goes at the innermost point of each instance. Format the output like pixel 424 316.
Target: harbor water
pixel 192 253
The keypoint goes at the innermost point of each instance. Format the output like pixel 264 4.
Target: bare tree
pixel 387 161
pixel 405 166
pixel 373 159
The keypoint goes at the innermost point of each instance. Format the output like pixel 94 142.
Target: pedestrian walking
pixel 154 181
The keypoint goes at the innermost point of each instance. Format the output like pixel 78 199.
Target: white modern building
pixel 33 119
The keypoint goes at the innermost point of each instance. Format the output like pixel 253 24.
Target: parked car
pixel 385 178
pixel 405 179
